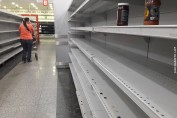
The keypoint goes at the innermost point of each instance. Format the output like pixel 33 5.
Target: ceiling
pixel 25 4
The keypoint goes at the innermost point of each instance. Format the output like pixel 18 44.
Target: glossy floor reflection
pixel 30 90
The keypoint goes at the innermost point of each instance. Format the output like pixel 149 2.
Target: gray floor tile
pixel 29 90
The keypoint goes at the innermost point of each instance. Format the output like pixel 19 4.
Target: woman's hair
pixel 25 24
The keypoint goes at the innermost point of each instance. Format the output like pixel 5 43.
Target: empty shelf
pixel 71 44
pixel 6 57
pixel 77 33
pixel 75 4
pixel 148 88
pixel 160 31
pixel 87 29
pixel 95 105
pixel 13 22
pixel 77 20
pixel 96 6
pixel 9 40
pixel 6 48
pixel 108 93
pixel 84 106
pixel 80 7
pixel 9 31
pixel 11 14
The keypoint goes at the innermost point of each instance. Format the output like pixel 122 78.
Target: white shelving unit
pixel 128 82
pixel 131 83
pixel 9 36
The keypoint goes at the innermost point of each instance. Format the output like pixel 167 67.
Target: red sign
pixel 45 3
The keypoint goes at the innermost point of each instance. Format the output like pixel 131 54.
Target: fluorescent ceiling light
pixel 32 3
pixel 13 3
pixel 21 7
pixel 4 7
pixel 17 5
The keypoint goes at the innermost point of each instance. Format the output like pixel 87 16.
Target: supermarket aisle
pixel 30 90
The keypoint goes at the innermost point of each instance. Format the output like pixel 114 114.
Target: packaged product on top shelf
pixel 152 12
pixel 122 14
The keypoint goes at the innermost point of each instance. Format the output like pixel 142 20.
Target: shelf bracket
pixel 147 40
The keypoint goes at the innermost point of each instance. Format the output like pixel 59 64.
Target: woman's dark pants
pixel 27 48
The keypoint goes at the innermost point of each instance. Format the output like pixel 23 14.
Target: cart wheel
pixel 36 56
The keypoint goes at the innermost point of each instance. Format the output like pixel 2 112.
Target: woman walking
pixel 26 35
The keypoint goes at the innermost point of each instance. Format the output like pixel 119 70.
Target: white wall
pixel 61 16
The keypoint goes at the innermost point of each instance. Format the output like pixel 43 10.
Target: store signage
pixel 45 3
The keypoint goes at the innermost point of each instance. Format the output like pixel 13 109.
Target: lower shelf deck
pixel 95 106
pixel 80 95
pixel 9 47
pixel 9 55
pixel 113 100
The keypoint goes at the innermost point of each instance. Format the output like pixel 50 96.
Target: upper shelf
pixel 89 6
pixel 2 12
pixel 75 4
pixel 160 31
pixel 13 22
pixel 87 29
pixel 93 7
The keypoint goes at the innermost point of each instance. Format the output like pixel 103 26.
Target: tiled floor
pixel 30 90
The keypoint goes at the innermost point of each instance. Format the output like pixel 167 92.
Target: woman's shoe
pixel 29 61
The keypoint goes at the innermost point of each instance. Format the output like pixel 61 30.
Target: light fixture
pixel 4 7
pixel 17 5
pixel 13 3
pixel 21 7
pixel 32 3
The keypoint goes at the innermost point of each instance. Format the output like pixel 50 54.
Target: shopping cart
pixel 35 48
